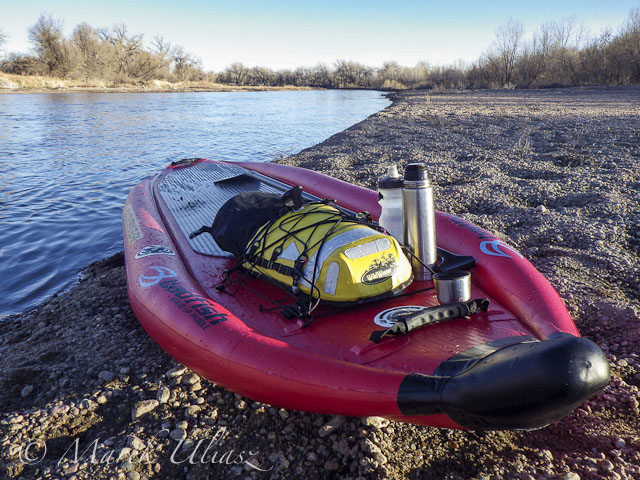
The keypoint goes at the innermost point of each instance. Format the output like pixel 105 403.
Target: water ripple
pixel 67 162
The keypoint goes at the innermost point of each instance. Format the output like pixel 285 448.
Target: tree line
pixel 110 54
pixel 560 53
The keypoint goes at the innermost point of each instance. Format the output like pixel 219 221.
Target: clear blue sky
pixel 286 34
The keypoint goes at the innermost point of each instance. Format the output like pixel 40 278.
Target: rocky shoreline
pixel 85 393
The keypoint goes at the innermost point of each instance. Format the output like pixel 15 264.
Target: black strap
pixel 271 265
pixel 430 316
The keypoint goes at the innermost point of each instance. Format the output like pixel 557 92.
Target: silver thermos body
pixel 419 220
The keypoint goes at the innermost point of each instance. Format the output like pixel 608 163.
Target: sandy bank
pixel 36 84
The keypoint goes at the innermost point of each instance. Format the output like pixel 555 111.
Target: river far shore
pixel 85 393
pixel 10 83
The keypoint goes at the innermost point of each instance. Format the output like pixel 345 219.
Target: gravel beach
pixel 86 394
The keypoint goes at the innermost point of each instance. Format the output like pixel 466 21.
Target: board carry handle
pixel 430 316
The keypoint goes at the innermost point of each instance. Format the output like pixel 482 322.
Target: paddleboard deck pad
pixel 519 365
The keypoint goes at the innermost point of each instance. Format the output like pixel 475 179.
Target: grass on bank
pixel 37 83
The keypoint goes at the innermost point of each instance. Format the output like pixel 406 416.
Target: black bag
pixel 240 217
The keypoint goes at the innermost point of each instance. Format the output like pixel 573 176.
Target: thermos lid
pixel 415 172
pixel 392 180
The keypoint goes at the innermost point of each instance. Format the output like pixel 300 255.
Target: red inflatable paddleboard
pixel 519 365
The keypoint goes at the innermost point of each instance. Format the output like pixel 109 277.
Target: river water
pixel 68 161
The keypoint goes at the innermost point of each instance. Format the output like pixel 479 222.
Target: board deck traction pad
pixel 194 195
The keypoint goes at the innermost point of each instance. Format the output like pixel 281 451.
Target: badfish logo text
pixel 154 250
pixel 151 280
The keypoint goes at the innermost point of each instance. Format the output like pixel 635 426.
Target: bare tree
pixel 50 45
pixel 161 56
pixel 390 71
pixel 22 65
pixel 566 39
pixel 319 76
pixel 124 49
pixel 263 76
pixel 236 73
pixel 3 40
pixel 630 37
pixel 342 73
pixel 160 46
pixel 393 76
pixel 90 51
pixel 352 74
pixel 533 59
pixel 507 47
pixel 185 66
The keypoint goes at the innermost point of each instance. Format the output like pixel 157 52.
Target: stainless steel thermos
pixel 419 222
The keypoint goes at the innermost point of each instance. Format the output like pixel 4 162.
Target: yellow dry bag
pixel 320 251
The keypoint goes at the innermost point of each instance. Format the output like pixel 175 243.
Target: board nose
pixel 525 385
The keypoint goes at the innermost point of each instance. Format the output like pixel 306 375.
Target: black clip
pixel 276 253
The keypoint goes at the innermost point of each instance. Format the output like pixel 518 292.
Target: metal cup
pixel 453 286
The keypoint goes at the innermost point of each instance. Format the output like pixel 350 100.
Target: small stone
pixel 143 407
pixel 70 469
pixel 133 475
pixel 59 409
pixel 178 434
pixel 182 424
pixel 331 465
pixel 87 404
pixel 570 476
pixel 192 411
pixel 176 371
pixel 380 458
pixel 542 209
pixel 331 426
pixel 125 452
pixel 126 466
pixel 190 379
pixel 101 400
pixel 16 419
pixel 619 443
pixel 376 422
pixel 606 465
pixel 368 446
pixel 26 391
pixel 279 461
pixel 188 444
pixel 135 443
pixel 163 394
pixel 106 376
